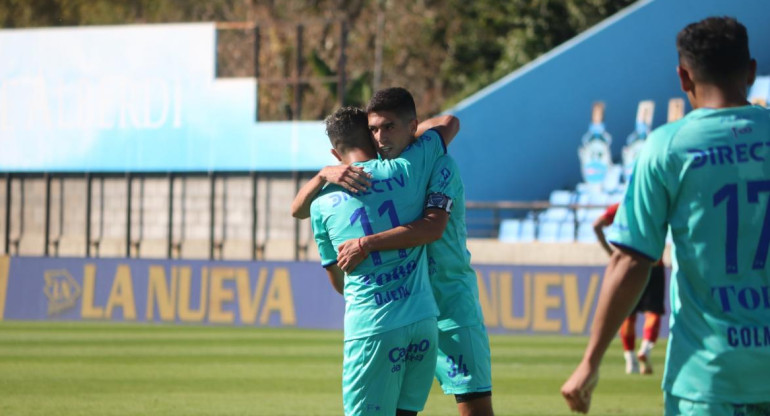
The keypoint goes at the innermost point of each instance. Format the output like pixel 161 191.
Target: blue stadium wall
pixel 519 137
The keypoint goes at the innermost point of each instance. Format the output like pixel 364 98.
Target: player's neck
pixel 357 155
pixel 713 96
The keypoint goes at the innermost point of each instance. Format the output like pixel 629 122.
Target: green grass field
pixel 126 369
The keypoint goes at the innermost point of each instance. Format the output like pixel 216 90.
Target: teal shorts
pixel 464 364
pixel 389 371
pixel 677 406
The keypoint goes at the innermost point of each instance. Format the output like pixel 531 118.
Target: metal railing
pixel 49 223
pixel 483 219
pixel 18 213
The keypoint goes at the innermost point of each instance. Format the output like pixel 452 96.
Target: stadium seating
pixel 509 230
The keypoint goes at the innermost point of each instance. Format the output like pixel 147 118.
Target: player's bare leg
pixel 478 406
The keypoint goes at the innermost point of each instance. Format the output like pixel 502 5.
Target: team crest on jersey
pixel 62 291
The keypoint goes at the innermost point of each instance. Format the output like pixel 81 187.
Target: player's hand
pixel 577 390
pixel 352 178
pixel 350 255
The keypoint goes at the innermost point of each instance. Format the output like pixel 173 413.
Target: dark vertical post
pixel 496 220
pixel 296 177
pixel 298 79
pixel 140 233
pixel 47 236
pixel 60 227
pixel 224 216
pixel 8 197
pixel 89 191
pixel 170 232
pixel 212 186
pixel 266 214
pixel 576 222
pixel 253 215
pixel 341 64
pixel 378 48
pixel 128 214
pixel 256 72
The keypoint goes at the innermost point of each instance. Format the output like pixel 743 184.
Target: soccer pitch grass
pixel 130 369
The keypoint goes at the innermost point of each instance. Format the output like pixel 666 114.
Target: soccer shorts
pixel 389 371
pixel 464 364
pixel 653 297
pixel 677 406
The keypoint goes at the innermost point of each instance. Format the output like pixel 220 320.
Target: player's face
pixel 390 133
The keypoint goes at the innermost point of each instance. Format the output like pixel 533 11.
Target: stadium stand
pixel 571 213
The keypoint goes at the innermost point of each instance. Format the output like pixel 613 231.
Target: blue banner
pixel 207 292
pixel 137 98
pixel 543 299
pixel 514 299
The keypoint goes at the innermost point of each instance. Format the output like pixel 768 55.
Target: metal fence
pixel 184 215
pixel 45 209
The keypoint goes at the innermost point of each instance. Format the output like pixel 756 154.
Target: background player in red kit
pixel 651 304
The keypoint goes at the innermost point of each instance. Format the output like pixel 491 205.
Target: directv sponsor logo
pixel 728 155
pixel 378 185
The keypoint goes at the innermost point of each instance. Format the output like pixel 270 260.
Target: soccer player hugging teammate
pixel 463 365
pixel 706 178
pixel 390 313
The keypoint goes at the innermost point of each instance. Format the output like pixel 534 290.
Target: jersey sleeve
pixel 424 152
pixel 440 179
pixel 434 143
pixel 641 220
pixel 324 243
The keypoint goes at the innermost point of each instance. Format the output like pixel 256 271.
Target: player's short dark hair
pixel 395 99
pixel 716 49
pixel 348 128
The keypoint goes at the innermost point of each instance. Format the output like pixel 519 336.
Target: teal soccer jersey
pixel 706 178
pixel 389 289
pixel 452 277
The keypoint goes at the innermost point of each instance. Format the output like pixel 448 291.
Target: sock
pixel 628 333
pixel 645 347
pixel 651 326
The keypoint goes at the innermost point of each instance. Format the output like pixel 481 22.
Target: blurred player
pixel 651 304
pixel 707 178
pixel 390 313
pixel 464 367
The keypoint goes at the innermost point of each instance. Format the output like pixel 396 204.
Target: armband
pixel 440 201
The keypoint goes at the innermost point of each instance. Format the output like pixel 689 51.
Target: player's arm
pixel 599 225
pixel 423 231
pixel 352 178
pixel 446 125
pixel 624 280
pixel 336 277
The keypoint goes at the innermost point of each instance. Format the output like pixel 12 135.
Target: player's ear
pixel 413 126
pixel 337 155
pixel 685 79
